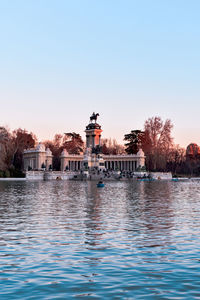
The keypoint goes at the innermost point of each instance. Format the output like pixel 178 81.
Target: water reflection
pixel 73 239
pixel 93 222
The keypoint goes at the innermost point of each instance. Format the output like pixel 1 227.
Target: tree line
pixel 162 154
pixel 12 145
pixel 156 140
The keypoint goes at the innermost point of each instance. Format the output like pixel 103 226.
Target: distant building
pixel 92 158
pixel 37 158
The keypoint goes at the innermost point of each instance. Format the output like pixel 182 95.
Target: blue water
pixel 128 240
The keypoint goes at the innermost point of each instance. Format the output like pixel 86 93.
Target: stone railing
pixel 49 175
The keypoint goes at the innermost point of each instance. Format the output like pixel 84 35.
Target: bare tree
pixel 5 148
pixel 111 146
pixel 159 135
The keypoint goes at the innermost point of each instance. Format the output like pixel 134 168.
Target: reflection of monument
pixel 92 158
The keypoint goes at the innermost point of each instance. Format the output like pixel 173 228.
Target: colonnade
pixel 123 165
pixel 30 162
pixel 116 165
pixel 74 165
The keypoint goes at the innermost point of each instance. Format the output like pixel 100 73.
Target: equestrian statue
pixel 94 117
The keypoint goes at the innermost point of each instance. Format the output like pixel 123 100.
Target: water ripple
pixel 130 240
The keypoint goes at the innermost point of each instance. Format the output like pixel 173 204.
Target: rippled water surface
pixel 129 240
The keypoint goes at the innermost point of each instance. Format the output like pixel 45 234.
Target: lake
pixel 128 240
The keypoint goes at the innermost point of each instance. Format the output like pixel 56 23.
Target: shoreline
pixel 105 179
pixel 13 179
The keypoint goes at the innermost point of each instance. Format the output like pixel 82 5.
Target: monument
pixel 94 159
pixel 92 156
pixel 40 158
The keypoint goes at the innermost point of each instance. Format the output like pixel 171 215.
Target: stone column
pixel 93 141
pixel 87 141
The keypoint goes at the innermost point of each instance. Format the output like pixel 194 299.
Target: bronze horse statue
pixel 94 117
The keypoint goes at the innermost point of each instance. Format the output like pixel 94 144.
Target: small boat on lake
pixel 100 184
pixel 146 178
pixel 175 179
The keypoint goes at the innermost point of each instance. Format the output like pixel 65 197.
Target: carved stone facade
pixel 101 161
pixel 40 158
pixel 94 159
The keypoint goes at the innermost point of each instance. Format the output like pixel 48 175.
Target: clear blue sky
pixel 127 60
